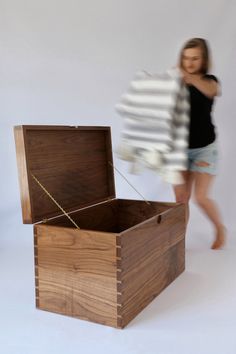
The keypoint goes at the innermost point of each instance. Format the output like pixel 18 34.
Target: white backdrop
pixel 67 62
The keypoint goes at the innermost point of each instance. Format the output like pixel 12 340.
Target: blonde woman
pixel 203 149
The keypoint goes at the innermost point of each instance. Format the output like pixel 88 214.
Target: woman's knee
pixel 200 199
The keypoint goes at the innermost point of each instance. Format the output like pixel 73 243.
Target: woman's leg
pixel 203 182
pixel 183 191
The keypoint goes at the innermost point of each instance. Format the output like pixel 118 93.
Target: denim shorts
pixel 207 154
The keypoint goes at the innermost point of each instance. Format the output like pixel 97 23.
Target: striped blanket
pixel 155 112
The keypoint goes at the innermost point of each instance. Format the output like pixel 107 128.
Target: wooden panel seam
pixel 119 282
pixel 36 270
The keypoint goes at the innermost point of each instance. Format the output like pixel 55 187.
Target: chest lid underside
pixel 74 164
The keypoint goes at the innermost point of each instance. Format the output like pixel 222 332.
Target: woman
pixel 202 149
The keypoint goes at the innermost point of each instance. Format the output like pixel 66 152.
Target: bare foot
pixel 220 238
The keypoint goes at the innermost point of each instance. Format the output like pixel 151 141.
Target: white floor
pixel 195 314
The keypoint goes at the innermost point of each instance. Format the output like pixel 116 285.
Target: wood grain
pixel 150 260
pixel 101 217
pixel 22 175
pixel 126 251
pixel 154 234
pixel 77 273
pixel 115 215
pixel 164 270
pixel 72 164
pixel 109 277
pixel 133 212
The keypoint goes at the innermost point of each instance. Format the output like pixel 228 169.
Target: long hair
pixel 203 45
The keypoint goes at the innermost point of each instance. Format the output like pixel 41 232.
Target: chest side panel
pixel 76 273
pixel 152 257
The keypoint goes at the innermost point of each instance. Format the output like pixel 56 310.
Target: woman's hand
pixel 208 87
pixel 190 79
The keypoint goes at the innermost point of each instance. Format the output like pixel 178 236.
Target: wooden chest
pixel 124 253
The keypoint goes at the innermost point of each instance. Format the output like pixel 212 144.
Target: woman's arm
pixel 207 86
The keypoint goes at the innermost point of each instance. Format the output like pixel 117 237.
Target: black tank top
pixel 202 130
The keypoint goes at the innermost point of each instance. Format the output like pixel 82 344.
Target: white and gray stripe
pixel 156 118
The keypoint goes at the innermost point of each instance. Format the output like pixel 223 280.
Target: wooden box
pixel 125 252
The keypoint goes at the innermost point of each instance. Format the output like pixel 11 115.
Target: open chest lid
pixel 74 164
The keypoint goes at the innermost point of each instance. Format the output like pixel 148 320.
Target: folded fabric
pixel 155 112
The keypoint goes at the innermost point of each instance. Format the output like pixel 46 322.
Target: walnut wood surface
pixel 156 233
pixel 101 217
pixel 162 272
pixel 147 264
pixel 109 277
pixel 22 175
pixel 114 215
pixel 133 212
pixel 72 164
pixel 126 251
pixel 77 273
